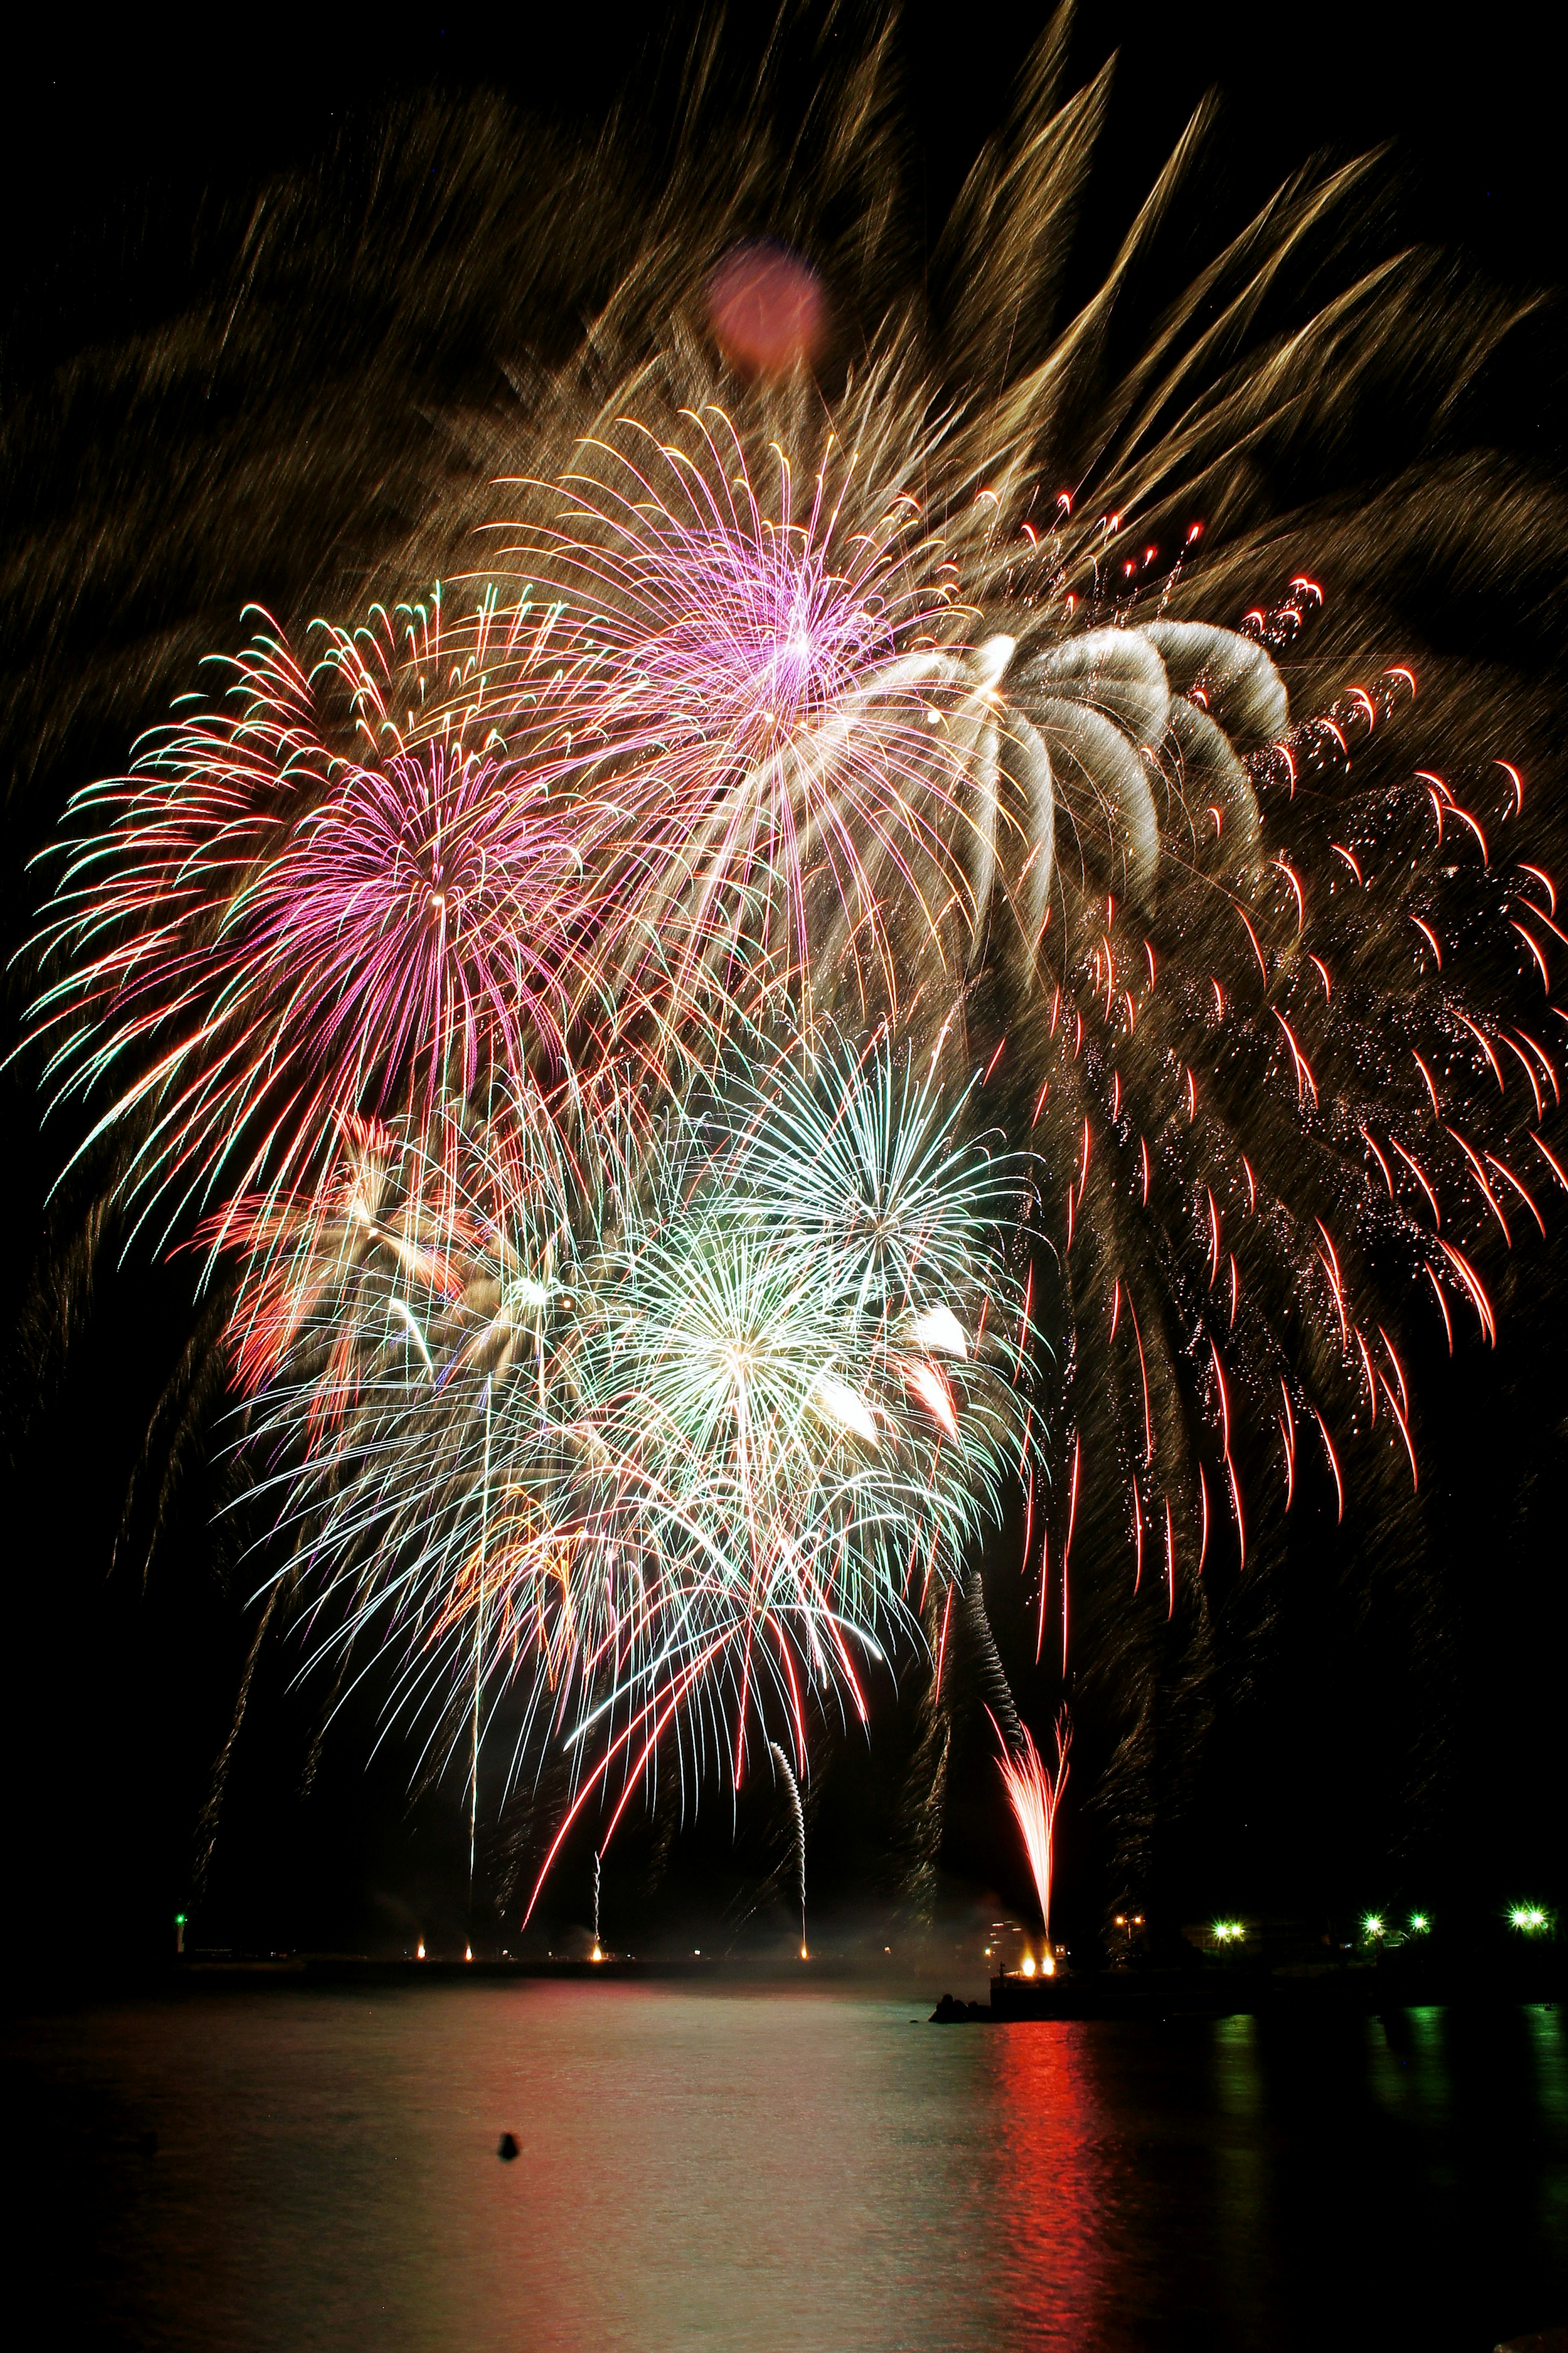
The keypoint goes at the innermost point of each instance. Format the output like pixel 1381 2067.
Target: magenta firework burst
pixel 321 901
pixel 787 701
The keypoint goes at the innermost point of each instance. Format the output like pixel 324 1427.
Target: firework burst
pixel 719 1445
pixel 346 893
pixel 864 974
pixel 792 710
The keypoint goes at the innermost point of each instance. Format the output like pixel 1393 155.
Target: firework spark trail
pixel 600 1026
pixel 1000 1704
pixel 797 1818
pixel 1035 1792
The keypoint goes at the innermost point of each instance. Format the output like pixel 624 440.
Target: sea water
pixel 779 2171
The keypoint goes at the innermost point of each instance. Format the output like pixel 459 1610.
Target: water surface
pixel 735 2168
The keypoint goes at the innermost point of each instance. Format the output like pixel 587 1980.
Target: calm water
pixel 754 2170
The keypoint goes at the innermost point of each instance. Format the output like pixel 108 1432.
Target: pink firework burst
pixel 779 683
pixel 418 927
pixel 268 936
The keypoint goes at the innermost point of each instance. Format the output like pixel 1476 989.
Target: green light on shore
pixel 1228 1932
pixel 1419 1923
pixel 1528 1918
pixel 1372 1925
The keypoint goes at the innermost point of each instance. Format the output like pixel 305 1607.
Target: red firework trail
pixel 1034 1792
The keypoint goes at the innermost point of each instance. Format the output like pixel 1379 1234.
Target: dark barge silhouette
pixel 1399 1980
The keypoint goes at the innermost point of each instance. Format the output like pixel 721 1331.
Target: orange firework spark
pixel 1034 1792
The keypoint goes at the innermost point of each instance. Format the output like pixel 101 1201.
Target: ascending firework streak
pixel 678 1045
pixel 1035 1793
pixel 797 1818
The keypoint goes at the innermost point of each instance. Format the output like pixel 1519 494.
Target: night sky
pixel 1400 1737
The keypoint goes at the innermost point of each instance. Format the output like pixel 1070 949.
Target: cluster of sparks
pixel 1288 996
pixel 669 1059
pixel 1035 1792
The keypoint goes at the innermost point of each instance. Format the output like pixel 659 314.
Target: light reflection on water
pixel 737 2167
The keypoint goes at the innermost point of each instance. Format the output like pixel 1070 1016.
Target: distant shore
pixel 1393 1981
pixel 1353 1988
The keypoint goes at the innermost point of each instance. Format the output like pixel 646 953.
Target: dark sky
pixel 147 117
pixel 122 147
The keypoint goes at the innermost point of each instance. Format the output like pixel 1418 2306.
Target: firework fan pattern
pixel 882 966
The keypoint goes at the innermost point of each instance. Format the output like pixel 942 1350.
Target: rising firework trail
pixel 797 1823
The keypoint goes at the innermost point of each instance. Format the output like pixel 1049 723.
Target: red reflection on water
pixel 1051 2185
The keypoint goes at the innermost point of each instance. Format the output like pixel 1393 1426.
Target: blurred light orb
pixel 768 309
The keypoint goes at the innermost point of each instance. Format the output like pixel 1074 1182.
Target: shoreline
pixel 1329 1990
